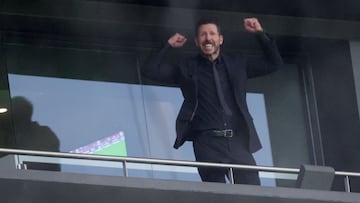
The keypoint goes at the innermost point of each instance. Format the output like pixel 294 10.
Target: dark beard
pixel 209 56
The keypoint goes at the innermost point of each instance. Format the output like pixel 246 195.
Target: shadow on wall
pixel 31 135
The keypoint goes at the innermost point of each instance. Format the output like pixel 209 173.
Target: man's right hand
pixel 177 40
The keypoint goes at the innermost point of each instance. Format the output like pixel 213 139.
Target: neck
pixel 211 57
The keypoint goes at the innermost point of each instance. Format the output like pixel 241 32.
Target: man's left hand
pixel 252 25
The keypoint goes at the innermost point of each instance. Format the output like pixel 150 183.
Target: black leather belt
pixel 223 133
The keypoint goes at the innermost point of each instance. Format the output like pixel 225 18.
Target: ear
pixel 221 39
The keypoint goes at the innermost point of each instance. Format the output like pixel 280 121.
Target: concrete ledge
pixel 45 186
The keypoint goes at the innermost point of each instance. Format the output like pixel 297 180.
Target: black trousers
pixel 230 150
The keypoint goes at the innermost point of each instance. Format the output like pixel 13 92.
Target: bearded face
pixel 209 41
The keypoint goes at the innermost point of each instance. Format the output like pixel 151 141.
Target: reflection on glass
pixel 30 134
pixel 82 112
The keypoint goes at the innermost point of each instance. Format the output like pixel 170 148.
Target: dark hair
pixel 207 20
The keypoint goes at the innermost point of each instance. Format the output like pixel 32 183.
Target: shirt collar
pixel 218 60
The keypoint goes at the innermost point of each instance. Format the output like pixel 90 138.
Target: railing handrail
pixel 161 161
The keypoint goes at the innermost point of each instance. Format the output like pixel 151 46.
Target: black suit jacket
pixel 184 74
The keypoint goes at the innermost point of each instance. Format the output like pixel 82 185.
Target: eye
pixel 201 34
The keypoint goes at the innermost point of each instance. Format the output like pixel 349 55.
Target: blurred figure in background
pixel 31 135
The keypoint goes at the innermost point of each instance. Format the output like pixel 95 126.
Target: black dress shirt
pixel 210 114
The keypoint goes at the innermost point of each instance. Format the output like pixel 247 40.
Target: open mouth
pixel 208 46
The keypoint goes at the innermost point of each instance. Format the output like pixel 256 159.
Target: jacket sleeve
pixel 156 69
pixel 270 62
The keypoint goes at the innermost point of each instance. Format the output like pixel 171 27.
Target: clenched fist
pixel 252 25
pixel 177 40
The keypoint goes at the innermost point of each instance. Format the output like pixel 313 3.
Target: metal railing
pixel 126 160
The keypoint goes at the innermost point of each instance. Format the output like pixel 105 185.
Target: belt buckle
pixel 228 133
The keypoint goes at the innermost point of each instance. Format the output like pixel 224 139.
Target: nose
pixel 207 36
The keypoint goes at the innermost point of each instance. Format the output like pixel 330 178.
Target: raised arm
pixel 258 66
pixel 156 69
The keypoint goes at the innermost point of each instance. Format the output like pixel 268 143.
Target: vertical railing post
pixel 231 176
pixel 347 184
pixel 125 169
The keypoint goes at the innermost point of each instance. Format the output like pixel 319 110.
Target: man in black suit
pixel 214 114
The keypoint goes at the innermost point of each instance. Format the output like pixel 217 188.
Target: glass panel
pixel 85 111
pixel 286 117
